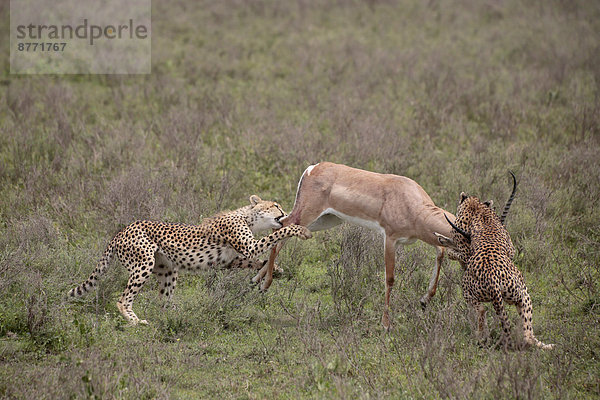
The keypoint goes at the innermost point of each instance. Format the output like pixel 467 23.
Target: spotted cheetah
pixel 486 250
pixel 147 247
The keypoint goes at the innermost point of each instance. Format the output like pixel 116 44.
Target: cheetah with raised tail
pixel 147 247
pixel 486 251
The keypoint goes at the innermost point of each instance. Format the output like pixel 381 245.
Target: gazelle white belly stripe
pixel 365 223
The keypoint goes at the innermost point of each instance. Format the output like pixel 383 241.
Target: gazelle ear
pixel 489 203
pixel 254 200
pixel 463 196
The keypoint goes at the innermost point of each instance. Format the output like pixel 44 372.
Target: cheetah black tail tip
pixel 538 344
pixel 545 346
pixel 70 294
pixel 76 292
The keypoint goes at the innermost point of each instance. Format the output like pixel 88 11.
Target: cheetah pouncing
pixel 147 247
pixel 490 275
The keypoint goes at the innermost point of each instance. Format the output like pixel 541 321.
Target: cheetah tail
pixel 510 200
pixel 101 268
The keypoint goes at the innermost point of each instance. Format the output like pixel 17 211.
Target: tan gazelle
pixel 395 206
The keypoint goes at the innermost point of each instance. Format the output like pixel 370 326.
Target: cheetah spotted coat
pixel 163 249
pixel 489 272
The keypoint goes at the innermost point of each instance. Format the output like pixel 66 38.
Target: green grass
pixel 241 99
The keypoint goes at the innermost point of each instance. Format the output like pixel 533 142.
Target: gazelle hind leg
pixel 268 268
pixel 298 217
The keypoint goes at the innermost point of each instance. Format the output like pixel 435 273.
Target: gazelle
pixel 395 206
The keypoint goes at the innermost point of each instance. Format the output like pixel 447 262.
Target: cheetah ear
pixel 254 200
pixel 463 196
pixel 489 203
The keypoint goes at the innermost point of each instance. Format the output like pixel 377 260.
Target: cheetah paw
pixel 304 233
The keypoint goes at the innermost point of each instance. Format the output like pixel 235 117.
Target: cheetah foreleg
pixel 245 263
pixel 482 328
pixel 253 248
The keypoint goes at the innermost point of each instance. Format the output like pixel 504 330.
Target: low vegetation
pixel 243 96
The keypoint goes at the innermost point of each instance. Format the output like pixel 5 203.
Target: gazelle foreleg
pixel 390 263
pixel 433 282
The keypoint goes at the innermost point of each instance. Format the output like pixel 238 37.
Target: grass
pixel 241 99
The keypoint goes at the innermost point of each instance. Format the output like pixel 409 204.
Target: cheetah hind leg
pixel 134 284
pixel 125 303
pixel 167 280
pixel 501 312
pixel 166 275
pixel 483 333
pixel 525 311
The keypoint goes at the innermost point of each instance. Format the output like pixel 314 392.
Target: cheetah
pixel 160 248
pixel 485 249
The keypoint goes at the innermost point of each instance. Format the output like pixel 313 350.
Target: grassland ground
pixel 242 97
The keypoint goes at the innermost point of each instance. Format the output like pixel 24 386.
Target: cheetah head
pixel 264 214
pixel 460 241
